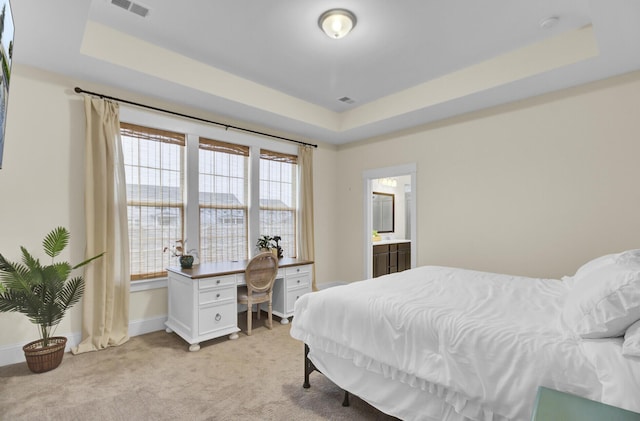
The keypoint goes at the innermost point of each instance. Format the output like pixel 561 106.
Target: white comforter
pixel 487 340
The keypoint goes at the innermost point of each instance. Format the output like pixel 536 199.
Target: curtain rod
pixel 226 126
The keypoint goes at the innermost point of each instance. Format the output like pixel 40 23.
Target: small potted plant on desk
pixel 43 293
pixel 264 243
pixel 185 257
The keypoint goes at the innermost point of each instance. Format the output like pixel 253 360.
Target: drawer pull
pixel 218 317
pixel 298 270
pixel 298 280
pixel 217 295
pixel 218 282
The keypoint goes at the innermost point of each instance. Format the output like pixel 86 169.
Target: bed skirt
pixel 394 397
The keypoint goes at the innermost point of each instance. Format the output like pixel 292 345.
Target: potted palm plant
pixel 43 293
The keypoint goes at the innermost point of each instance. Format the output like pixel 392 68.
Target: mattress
pixel 453 343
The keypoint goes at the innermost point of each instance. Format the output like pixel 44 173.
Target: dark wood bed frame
pixel 310 368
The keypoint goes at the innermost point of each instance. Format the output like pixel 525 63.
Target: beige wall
pixel 41 185
pixel 535 188
pixel 41 181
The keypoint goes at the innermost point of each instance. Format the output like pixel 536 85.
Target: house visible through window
pixel 278 198
pixel 153 161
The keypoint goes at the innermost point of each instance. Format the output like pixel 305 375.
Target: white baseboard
pixel 140 327
pixel 330 284
pixel 13 354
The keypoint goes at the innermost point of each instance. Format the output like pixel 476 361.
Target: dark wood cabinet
pixel 391 258
pixel 404 256
pixel 380 260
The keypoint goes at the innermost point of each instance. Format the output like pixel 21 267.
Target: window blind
pixel 223 200
pixel 278 198
pixel 153 161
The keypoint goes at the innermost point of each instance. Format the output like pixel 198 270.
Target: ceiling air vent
pixel 346 100
pixel 122 3
pixel 132 7
pixel 139 10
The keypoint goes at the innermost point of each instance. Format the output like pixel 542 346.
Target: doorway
pixel 400 182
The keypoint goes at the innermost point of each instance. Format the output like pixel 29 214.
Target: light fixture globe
pixel 337 23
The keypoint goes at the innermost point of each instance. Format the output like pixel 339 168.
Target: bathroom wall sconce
pixel 337 23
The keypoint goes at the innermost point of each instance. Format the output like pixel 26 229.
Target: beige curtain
pixel 105 305
pixel 305 233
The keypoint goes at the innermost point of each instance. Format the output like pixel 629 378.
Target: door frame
pixel 368 176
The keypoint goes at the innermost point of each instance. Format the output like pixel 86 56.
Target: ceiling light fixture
pixel 549 22
pixel 337 23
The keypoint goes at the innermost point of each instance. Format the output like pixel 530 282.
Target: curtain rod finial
pixel 78 90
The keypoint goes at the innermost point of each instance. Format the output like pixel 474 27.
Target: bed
pixel 441 343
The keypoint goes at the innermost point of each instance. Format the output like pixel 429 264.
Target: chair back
pixel 261 272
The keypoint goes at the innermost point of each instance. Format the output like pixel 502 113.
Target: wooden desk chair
pixel 259 275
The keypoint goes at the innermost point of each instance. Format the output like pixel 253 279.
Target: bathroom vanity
pixel 390 256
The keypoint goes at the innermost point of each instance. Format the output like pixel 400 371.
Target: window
pixel 153 162
pixel 220 196
pixel 278 198
pixel 223 196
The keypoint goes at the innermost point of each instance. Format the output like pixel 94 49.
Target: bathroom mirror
pixel 383 212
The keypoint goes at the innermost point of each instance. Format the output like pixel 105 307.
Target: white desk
pixel 203 300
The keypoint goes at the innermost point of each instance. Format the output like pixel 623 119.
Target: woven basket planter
pixel 41 359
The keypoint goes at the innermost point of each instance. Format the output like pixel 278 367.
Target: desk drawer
pixel 297 270
pixel 218 281
pixel 216 317
pixel 216 295
pixel 295 282
pixel 292 297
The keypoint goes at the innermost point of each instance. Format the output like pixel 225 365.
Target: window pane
pixel 223 234
pixel 150 230
pixel 223 198
pixel 153 162
pixel 278 199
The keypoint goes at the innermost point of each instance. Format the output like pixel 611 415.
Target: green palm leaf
pixel 71 292
pixel 56 241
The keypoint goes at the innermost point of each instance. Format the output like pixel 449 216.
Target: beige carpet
pixel 155 377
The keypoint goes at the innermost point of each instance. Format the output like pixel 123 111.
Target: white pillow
pixel 605 298
pixel 631 345
pixel 629 257
pixel 595 264
pixel 587 268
